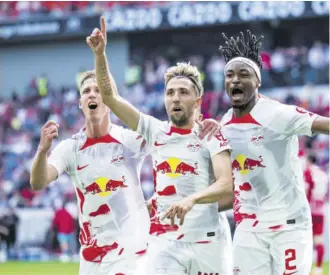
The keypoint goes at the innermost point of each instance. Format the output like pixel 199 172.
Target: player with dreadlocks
pixel 273 234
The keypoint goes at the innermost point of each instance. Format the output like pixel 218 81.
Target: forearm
pixel 106 83
pixel 226 203
pixel 38 176
pixel 220 190
pixel 321 125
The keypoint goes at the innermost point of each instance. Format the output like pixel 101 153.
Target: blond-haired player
pixel 190 174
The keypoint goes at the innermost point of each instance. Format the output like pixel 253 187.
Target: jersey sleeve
pixel 147 127
pixel 135 142
pixel 60 156
pixel 292 120
pixel 218 144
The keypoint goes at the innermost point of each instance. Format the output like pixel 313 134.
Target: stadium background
pixel 43 51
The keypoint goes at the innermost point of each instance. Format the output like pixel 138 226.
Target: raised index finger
pixel 103 28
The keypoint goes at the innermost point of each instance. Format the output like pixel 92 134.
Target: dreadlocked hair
pixel 238 48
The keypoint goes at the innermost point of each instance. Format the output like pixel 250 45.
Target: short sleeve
pixel 135 141
pixel 147 127
pixel 218 144
pixel 60 155
pixel 293 120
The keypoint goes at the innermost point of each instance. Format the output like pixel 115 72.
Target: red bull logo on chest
pixel 174 167
pixel 243 164
pixel 104 186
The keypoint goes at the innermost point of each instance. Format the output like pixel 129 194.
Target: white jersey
pixel 105 173
pixel 317 185
pixel 182 166
pixel 269 185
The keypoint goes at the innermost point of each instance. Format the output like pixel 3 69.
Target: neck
pixel 246 109
pixel 97 130
pixel 189 125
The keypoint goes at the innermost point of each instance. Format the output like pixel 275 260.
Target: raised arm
pixel 129 115
pixel 42 173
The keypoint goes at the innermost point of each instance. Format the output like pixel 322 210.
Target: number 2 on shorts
pixel 290 256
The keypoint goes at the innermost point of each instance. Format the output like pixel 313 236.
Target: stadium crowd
pixel 14 10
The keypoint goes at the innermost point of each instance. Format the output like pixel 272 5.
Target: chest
pixel 104 166
pixel 188 147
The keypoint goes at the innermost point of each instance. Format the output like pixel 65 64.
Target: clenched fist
pixel 48 132
pixel 97 41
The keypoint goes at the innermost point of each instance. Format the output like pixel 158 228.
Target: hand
pixel 209 127
pixel 97 41
pixel 179 209
pixel 48 132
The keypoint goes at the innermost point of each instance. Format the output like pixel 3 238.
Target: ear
pixel 199 102
pixel 80 107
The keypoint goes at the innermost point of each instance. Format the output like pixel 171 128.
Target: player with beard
pixel 190 174
pixel 274 228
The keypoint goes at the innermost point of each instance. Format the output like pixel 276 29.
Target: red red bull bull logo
pixel 117 160
pixel 104 186
pixel 174 167
pixel 243 164
pixel 194 147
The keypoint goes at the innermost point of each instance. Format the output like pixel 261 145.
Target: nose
pixel 235 79
pixel 92 93
pixel 176 97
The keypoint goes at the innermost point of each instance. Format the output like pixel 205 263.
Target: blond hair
pixel 86 75
pixel 183 69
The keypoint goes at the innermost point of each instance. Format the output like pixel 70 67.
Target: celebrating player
pixel 190 174
pixel 273 234
pixel 103 162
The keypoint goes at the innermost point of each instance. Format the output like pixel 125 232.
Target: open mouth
pixel 92 106
pixel 237 94
pixel 176 109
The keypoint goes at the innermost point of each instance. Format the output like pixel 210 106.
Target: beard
pixel 179 121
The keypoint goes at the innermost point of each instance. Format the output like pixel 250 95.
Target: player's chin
pixel 237 104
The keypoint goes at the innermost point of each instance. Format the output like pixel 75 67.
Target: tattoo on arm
pixel 105 81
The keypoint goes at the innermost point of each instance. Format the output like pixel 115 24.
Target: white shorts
pixel 170 257
pixel 123 266
pixel 273 253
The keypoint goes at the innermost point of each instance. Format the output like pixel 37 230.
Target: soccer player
pixel 190 174
pixel 274 228
pixel 103 161
pixel 317 185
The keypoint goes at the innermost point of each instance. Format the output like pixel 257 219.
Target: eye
pixel 229 75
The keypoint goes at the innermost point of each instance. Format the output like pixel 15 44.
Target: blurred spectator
pixel 133 74
pixel 317 61
pixel 64 225
pixel 8 228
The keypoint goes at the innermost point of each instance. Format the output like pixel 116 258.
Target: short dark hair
pixel 238 48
